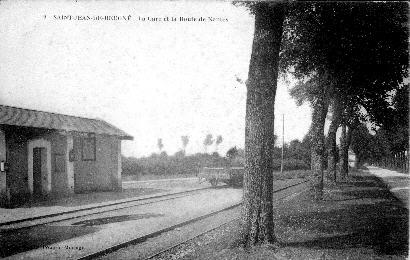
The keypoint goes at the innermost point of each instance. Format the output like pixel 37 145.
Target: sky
pixel 130 64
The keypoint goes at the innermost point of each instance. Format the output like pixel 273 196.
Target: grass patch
pixel 358 219
pixel 291 174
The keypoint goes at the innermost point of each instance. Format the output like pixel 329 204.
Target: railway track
pixel 166 250
pixel 141 239
pixel 61 216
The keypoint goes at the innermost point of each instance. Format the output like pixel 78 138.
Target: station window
pixel 88 148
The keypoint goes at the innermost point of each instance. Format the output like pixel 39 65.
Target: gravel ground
pixel 169 185
pixel 130 190
pixel 358 219
pixel 94 197
pixel 206 246
pixel 163 241
pixel 96 232
pixel 155 177
pixel 92 233
pixel 171 238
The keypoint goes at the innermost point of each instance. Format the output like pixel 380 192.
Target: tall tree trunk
pixel 257 214
pixel 331 141
pixel 344 153
pixel 318 144
pixel 348 142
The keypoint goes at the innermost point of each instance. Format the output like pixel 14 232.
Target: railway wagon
pixel 232 176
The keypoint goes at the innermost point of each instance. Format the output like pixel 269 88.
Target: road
pixel 398 183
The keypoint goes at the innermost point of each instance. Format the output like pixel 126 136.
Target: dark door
pixel 37 171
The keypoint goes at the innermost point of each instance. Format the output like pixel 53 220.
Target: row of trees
pixel 208 141
pixel 296 157
pixel 390 139
pixel 347 57
pixel 177 164
pixel 348 64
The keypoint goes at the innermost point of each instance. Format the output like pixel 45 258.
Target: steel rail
pixel 150 235
pixel 140 239
pixel 209 230
pixel 188 239
pixel 108 207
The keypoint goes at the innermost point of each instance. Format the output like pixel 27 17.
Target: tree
pixel 307 54
pixel 392 137
pixel 351 118
pixel 355 53
pixel 361 143
pixel 332 152
pixel 218 141
pixel 400 127
pixel 236 157
pixel 179 154
pixel 185 141
pixel 208 141
pixel 160 144
pixel 344 155
pixel 316 90
pixel 299 150
pixel 232 153
pixel 257 213
pixel 378 60
pixel 395 131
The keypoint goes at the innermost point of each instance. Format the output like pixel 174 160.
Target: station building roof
pixel 15 116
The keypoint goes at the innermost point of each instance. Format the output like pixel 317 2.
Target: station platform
pixel 132 190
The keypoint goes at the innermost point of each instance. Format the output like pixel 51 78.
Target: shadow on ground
pixel 81 199
pixel 115 219
pixel 373 219
pixel 17 241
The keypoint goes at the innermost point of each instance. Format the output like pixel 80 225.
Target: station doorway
pixel 39 169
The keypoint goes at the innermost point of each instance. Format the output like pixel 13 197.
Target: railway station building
pixel 44 154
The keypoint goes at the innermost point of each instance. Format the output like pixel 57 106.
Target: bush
pixel 179 164
pixel 290 164
pixel 170 165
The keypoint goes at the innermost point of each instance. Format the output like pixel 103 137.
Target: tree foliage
pixel 360 47
pixel 232 153
pixel 177 164
pixel 298 150
pixel 208 141
pixel 160 144
pixel 356 53
pixel 362 143
pixel 185 141
pixel 219 140
pixel 395 133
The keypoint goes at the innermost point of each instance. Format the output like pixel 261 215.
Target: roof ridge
pixel 42 119
pixel 54 113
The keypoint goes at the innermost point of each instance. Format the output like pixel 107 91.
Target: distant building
pixel 45 154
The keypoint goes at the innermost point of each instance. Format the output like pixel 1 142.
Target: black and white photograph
pixel 187 129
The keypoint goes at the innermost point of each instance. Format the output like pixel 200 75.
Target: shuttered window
pixel 88 148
